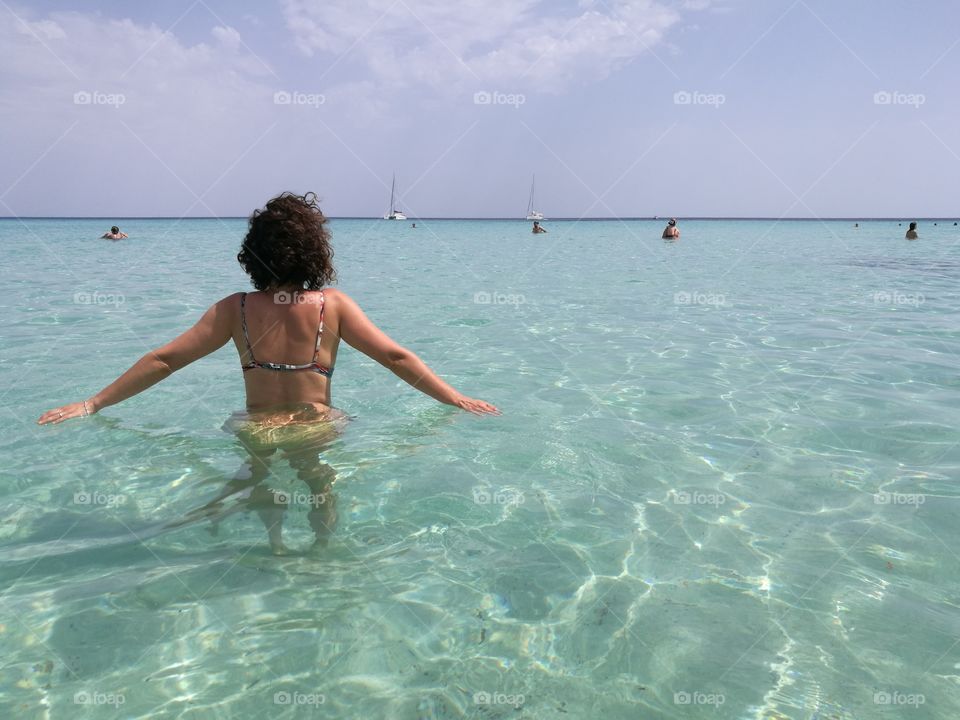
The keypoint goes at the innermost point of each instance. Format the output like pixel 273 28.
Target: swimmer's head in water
pixel 287 244
pixel 114 229
pixel 672 222
pixel 913 226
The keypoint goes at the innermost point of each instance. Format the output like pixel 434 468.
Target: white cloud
pixel 227 36
pixel 512 44
pixel 46 29
pixel 83 91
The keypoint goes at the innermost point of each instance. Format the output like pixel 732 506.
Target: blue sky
pixel 798 108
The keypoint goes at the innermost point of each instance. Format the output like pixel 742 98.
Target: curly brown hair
pixel 288 244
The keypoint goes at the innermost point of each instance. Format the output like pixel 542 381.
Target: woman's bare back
pixel 283 329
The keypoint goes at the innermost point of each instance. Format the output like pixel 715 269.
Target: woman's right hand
pixel 477 407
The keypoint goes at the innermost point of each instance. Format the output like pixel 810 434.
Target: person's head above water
pixel 672 222
pixel 114 229
pixel 288 245
pixel 913 226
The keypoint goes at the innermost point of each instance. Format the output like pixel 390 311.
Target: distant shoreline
pixel 664 218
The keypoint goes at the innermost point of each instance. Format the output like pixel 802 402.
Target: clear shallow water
pixel 726 471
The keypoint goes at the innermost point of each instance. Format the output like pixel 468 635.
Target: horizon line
pixel 514 219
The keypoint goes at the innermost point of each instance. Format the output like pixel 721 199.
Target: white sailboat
pixel 394 214
pixel 531 213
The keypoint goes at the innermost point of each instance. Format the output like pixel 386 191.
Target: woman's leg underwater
pixel 319 478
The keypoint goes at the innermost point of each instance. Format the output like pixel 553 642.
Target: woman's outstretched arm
pixel 359 332
pixel 211 333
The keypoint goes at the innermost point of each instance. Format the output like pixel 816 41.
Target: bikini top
pixel 284 367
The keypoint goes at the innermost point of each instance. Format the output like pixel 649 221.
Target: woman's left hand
pixel 65 412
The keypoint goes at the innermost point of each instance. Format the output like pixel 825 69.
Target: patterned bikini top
pixel 283 367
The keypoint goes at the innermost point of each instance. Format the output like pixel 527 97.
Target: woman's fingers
pixel 65 412
pixel 478 407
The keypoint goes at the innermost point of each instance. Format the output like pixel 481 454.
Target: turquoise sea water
pixel 722 485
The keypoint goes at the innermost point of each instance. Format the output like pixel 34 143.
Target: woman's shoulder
pixel 231 303
pixel 335 294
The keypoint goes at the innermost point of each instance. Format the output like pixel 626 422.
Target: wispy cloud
pixel 521 44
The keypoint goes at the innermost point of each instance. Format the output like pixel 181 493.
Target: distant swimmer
pixel 671 231
pixel 413 225
pixel 114 234
pixel 912 232
pixel 537 228
pixel 856 225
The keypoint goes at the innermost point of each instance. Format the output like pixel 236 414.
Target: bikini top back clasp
pixel 284 367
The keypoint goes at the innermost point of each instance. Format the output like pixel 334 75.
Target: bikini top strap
pixel 243 320
pixel 316 349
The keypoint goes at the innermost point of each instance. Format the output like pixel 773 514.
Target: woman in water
pixel 287 335
pixel 912 232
